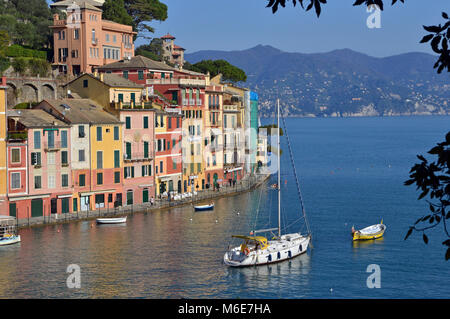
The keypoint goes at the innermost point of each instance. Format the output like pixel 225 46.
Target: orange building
pixel 84 40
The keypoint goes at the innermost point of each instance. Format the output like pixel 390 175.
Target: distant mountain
pixel 340 82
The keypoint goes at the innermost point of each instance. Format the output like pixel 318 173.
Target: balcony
pixel 137 157
pixel 178 81
pixel 17 135
pixel 52 147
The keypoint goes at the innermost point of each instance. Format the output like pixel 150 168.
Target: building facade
pixel 168 153
pixel 98 143
pixel 39 168
pixel 84 40
pixel 3 135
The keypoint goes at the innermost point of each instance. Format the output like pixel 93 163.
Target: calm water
pixel 352 172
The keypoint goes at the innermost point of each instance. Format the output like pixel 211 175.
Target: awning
pixel 13 199
pixel 65 196
pixel 233 169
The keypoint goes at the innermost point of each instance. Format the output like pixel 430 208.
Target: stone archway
pixel 30 93
pixel 47 92
pixel 11 95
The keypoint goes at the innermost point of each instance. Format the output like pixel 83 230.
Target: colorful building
pixel 3 157
pixel 213 135
pixel 234 107
pixel 108 90
pixel 84 40
pixel 172 53
pixel 97 146
pixel 139 154
pixel 39 167
pixel 233 136
pixel 168 153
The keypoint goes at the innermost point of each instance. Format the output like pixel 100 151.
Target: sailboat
pixel 258 250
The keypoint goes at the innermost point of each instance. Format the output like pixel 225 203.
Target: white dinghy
pixel 118 220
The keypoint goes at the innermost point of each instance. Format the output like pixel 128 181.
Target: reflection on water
pixel 178 253
pixel 367 243
pixel 261 280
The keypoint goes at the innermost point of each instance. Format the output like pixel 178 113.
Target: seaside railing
pixel 246 184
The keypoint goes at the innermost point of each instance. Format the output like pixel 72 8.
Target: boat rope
pixel 295 174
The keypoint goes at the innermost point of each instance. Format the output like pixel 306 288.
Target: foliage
pixel 439 34
pixel 25 105
pixel 433 180
pixel 4 64
pixel 20 65
pixel 114 10
pixel 145 11
pixel 137 13
pixel 27 22
pixel 31 66
pixel 4 42
pixel 153 51
pixel 214 67
pixel 38 67
pixel 16 50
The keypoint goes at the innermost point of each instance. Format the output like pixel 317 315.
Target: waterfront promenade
pixel 248 183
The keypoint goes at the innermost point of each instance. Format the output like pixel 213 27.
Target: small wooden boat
pixel 370 232
pixel 204 207
pixel 8 231
pixel 118 220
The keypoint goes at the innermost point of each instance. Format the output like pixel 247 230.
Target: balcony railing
pixel 52 147
pixel 178 81
pixel 137 157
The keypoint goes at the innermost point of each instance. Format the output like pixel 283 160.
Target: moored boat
pixel 8 231
pixel 370 232
pixel 257 250
pixel 204 207
pixel 118 220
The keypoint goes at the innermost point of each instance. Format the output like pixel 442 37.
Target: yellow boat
pixel 370 232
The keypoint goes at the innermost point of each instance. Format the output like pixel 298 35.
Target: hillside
pixel 341 82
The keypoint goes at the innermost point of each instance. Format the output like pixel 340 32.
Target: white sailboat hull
pixel 288 247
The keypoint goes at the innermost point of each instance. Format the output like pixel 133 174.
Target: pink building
pixel 139 154
pixel 84 40
pixel 39 172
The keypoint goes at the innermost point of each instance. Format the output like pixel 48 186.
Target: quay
pixel 245 185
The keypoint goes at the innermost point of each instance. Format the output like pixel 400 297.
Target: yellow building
pixel 107 89
pixel 3 132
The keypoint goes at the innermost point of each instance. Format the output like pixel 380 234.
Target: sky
pixel 242 24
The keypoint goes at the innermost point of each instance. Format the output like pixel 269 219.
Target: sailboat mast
pixel 279 170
